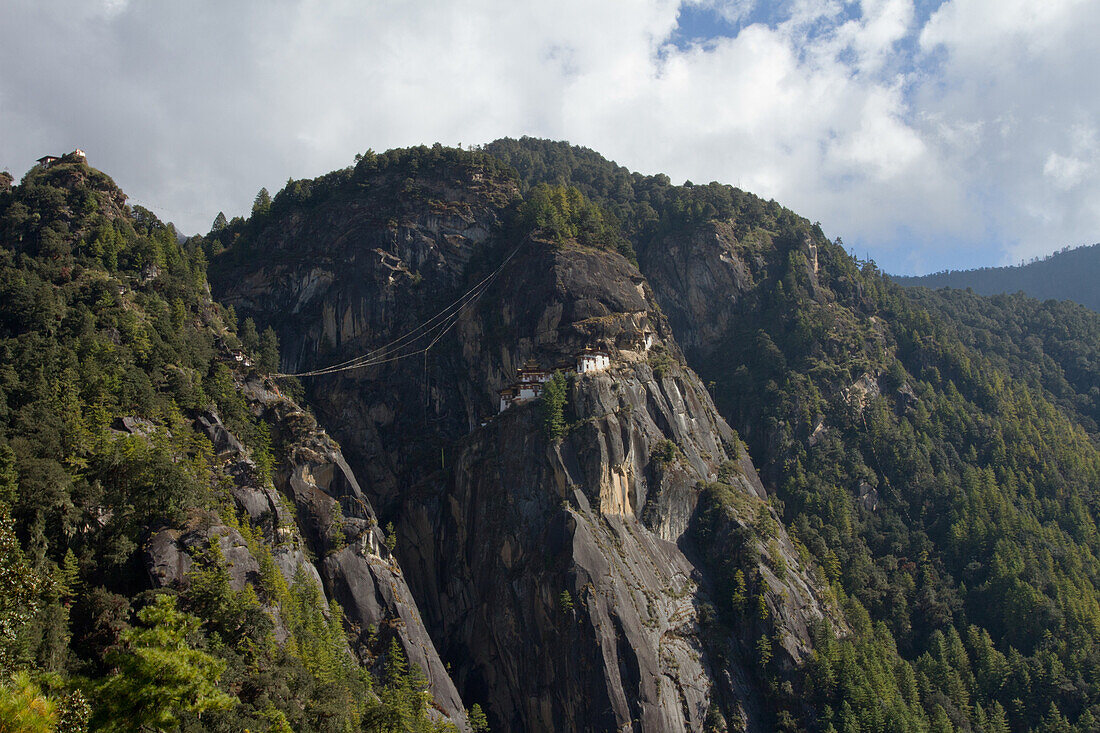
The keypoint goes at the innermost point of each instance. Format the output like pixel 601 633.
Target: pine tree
pixel 764 650
pixel 478 722
pixel 21 590
pixel 262 203
pixel 9 477
pixel 219 222
pixel 24 708
pixel 269 350
pixel 159 675
pixel 250 337
pixel 553 405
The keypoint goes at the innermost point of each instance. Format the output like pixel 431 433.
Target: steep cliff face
pixel 701 277
pixel 329 519
pixel 558 578
pixel 339 525
pixel 706 276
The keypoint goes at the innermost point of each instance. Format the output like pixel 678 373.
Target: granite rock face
pixel 313 509
pixel 338 524
pixel 557 578
pixel 700 278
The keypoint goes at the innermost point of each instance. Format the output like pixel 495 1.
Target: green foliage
pixel 565 601
pixel 159 674
pixel 980 553
pixel 664 452
pixel 23 707
pixel 232 615
pixel 107 352
pixel 269 350
pixel 645 207
pixel 317 629
pixel 262 203
pixel 564 213
pixel 403 700
pixel 478 722
pixel 416 166
pixel 250 337
pixel 660 361
pixel 555 395
pixel 390 538
pixel 763 651
pixel 21 590
pixel 970 584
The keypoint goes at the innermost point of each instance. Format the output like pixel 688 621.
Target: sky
pixel 927 134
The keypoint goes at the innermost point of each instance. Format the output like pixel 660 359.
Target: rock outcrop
pixel 314 509
pixel 557 577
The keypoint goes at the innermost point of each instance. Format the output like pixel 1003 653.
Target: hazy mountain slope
pixel 1067 275
pixel 1054 346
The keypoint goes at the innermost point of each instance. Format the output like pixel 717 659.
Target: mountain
pixel 145 463
pixel 552 565
pixel 1070 274
pixel 761 487
pixel 934 452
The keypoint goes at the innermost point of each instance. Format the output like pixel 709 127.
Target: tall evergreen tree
pixel 160 675
pixel 269 350
pixel 262 203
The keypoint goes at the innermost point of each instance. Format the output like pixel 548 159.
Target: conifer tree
pixel 262 203
pixel 553 404
pixel 159 675
pixel 250 337
pixel 269 350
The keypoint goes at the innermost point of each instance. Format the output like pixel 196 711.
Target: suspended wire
pixel 386 353
pixel 427 327
pixel 381 354
pixel 443 322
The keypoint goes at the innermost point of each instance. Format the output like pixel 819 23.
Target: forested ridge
pixel 935 454
pixel 111 356
pixel 1069 274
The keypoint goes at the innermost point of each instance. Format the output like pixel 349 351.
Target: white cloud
pixel 1017 75
pixel 906 138
pixel 1065 172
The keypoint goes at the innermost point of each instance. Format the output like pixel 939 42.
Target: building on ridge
pixel 593 360
pixel 47 160
pixel 530 378
pixel 241 357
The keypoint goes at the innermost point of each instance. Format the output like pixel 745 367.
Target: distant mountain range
pixel 1071 274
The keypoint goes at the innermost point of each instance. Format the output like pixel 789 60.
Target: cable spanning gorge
pixel 435 328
